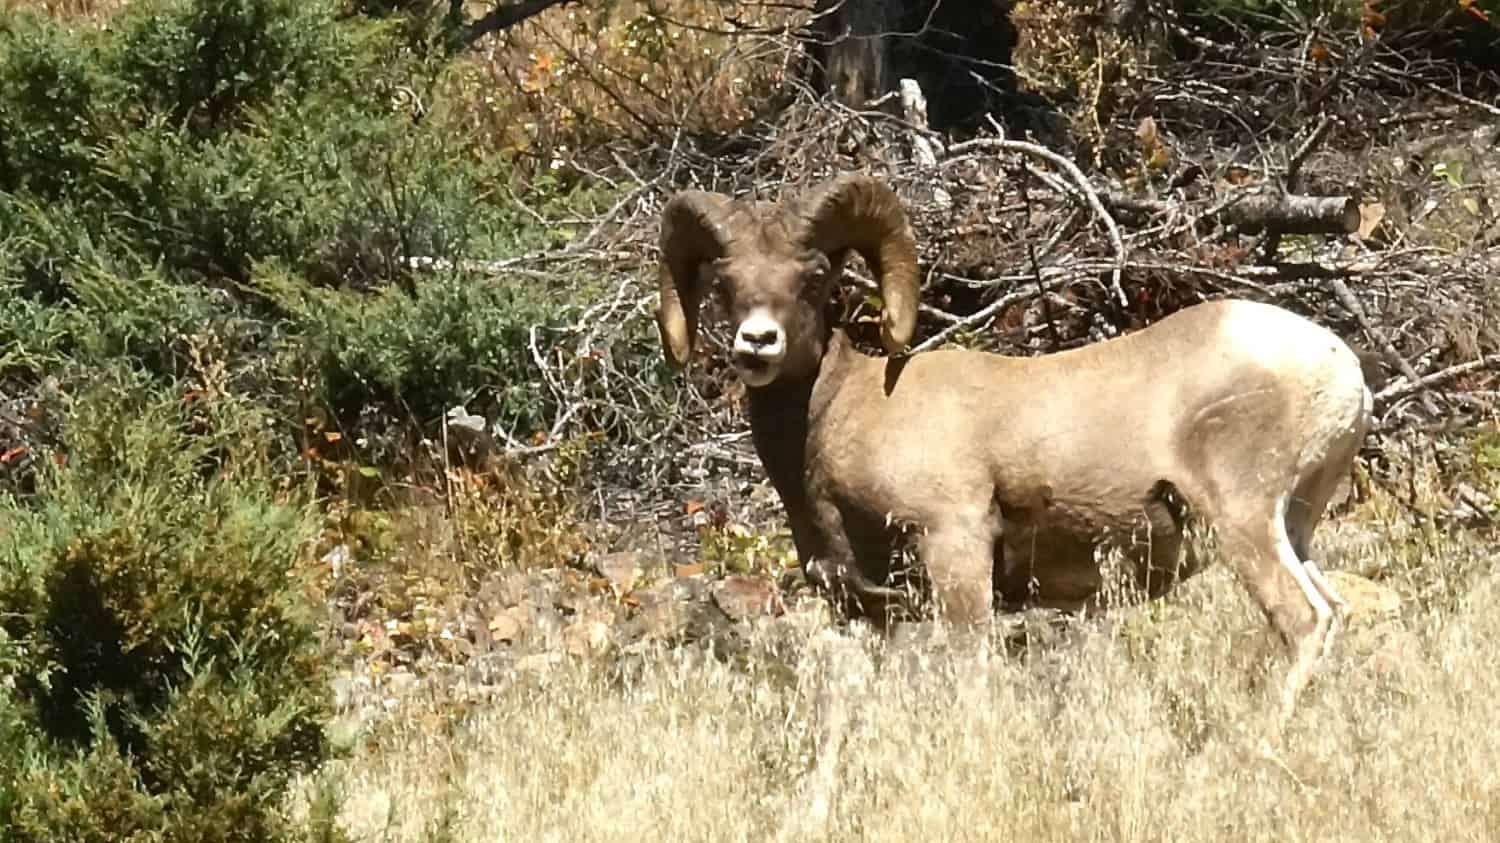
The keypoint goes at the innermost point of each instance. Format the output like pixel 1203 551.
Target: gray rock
pixel 623 568
pixel 745 598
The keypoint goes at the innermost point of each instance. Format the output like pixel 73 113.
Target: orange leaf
pixel 333 436
pixel 692 506
pixel 12 453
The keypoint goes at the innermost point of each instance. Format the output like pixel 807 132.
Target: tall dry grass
pixel 87 10
pixel 1148 724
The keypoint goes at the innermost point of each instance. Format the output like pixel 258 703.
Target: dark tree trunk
pixel 957 50
pixel 854 47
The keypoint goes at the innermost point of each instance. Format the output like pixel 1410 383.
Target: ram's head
pixel 775 266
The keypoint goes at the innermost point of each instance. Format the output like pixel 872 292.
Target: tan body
pixel 1031 464
pixel 1014 472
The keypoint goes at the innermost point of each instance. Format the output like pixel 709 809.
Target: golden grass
pixel 1145 725
pixel 90 10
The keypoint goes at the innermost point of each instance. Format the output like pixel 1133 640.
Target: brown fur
pixel 1016 471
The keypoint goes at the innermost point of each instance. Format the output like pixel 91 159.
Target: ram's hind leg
pixel 1261 552
pixel 1305 510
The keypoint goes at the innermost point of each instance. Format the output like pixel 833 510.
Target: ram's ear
pixel 694 234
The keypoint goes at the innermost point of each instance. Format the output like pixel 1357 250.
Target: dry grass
pixel 1146 725
pixel 84 10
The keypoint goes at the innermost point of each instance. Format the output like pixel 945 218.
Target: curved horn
pixel 860 212
pixel 693 230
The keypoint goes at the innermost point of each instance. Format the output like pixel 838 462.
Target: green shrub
pixel 32 336
pixel 161 653
pixel 208 135
pixel 50 79
pixel 203 64
pixel 458 339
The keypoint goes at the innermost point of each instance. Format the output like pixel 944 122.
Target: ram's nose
pixel 760 337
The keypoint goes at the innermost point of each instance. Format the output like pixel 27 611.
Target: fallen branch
pixel 1251 213
pixel 1403 388
pixel 504 17
pixel 1346 298
pixel 1291 213
pixel 1082 182
pixel 1293 181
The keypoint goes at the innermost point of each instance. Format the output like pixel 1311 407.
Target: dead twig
pixel 1346 298
pixel 1403 388
pixel 1080 180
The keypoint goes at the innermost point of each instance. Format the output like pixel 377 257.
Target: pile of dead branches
pixel 1343 183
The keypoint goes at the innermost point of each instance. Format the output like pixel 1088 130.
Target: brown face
pixel 776 300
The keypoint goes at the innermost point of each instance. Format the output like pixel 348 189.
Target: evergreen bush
pixel 163 668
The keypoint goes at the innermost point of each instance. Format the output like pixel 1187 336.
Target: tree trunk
pixel 958 52
pixel 853 48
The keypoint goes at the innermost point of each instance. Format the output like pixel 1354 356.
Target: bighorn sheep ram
pixel 1014 471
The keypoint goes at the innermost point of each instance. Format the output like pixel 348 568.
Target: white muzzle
pixel 759 349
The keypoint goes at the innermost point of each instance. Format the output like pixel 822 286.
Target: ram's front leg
pixel 959 555
pixel 833 565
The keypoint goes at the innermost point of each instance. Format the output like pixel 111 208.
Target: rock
pixel 538 663
pixel 622 569
pixel 586 637
pixel 1367 599
pixel 489 668
pixel 676 611
pixel 347 690
pixel 504 627
pixel 743 597
pixel 1394 654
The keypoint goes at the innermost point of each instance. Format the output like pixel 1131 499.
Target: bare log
pixel 1288 213
pixel 1292 213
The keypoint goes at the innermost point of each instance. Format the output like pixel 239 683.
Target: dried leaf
pixel 1146 133
pixel 333 435
pixel 1370 215
pixel 1237 175
pixel 1471 205
pixel 691 570
pixel 692 507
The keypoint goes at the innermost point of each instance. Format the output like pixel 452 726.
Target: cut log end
pixel 1295 214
